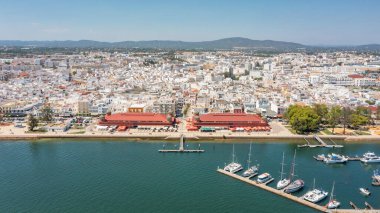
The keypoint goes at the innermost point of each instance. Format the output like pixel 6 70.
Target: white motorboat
pixel 370 157
pixel 364 191
pixel 263 178
pixel 315 195
pixel 252 170
pixel 321 157
pixel 335 158
pixel 333 203
pixel 283 182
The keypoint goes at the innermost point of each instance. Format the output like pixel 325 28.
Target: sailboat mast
pixel 233 153
pixel 282 165
pixel 332 192
pixel 249 155
pixel 293 165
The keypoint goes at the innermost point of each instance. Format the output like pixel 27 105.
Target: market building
pixel 137 119
pixel 231 121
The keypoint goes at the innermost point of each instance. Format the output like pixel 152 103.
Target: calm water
pixel 100 176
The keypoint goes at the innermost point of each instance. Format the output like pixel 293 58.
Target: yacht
pixel 376 178
pixel 233 167
pixel 283 182
pixel 370 157
pixel 297 184
pixel 315 195
pixel 251 171
pixel 335 158
pixel 321 157
pixel 364 191
pixel 333 203
pixel 263 178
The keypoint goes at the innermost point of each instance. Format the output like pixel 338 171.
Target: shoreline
pixel 191 137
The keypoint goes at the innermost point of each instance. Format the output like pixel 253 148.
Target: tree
pixel 378 112
pixel 333 116
pixel 32 122
pixel 46 113
pixel 303 119
pixel 346 112
pixel 322 112
pixel 358 120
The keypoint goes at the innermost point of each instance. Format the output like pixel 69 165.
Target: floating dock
pixel 292 197
pixel 181 148
pixel 321 144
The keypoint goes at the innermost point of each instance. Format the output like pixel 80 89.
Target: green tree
pixel 46 113
pixel 322 111
pixel 357 121
pixel 32 122
pixel 303 119
pixel 333 116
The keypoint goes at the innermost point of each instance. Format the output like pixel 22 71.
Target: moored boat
pixel 321 157
pixel 333 203
pixel 233 167
pixel 252 170
pixel 263 178
pixel 283 182
pixel 335 158
pixel 370 157
pixel 297 184
pixel 315 195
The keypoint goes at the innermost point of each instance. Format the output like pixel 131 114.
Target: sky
pixel 311 22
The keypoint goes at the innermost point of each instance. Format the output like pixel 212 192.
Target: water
pixel 117 176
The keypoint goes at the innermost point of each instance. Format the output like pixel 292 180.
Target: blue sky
pixel 326 22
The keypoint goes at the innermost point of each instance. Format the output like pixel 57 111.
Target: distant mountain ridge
pixel 226 43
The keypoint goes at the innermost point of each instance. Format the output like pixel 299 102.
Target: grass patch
pixel 327 132
pixel 361 132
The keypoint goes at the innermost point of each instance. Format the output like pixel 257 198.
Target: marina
pixel 296 199
pixel 70 173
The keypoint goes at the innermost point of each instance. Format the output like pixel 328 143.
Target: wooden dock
pixel 292 197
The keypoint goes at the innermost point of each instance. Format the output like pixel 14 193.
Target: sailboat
pixel 297 184
pixel 233 167
pixel 283 182
pixel 315 195
pixel 333 203
pixel 251 171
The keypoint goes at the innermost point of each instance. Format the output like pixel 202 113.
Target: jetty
pixel 321 143
pixel 291 197
pixel 181 148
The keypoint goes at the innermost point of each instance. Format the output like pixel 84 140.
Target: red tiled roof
pixel 229 117
pixel 355 76
pixel 136 117
pixel 373 108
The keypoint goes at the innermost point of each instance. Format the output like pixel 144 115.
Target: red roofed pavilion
pixel 229 120
pixel 138 119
